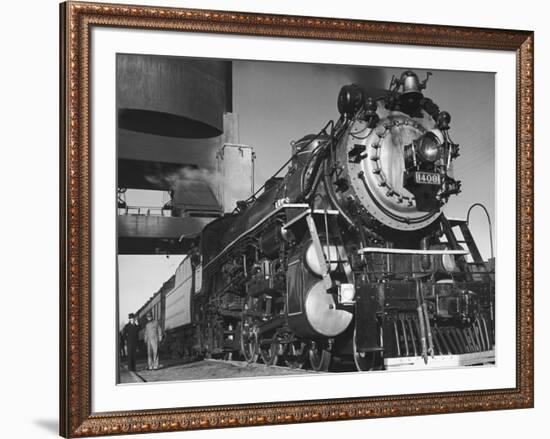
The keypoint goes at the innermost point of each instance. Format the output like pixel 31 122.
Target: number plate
pixel 427 178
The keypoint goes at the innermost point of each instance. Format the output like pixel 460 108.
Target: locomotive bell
pixel 411 83
pixel 411 95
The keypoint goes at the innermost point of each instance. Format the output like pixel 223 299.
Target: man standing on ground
pixel 131 334
pixel 153 337
pixel 122 344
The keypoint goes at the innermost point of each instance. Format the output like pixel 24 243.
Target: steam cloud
pixel 229 189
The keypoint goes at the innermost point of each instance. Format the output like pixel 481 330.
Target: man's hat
pixel 131 315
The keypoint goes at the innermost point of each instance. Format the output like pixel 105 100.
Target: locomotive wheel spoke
pixel 270 353
pixel 249 343
pixel 295 355
pixel 319 357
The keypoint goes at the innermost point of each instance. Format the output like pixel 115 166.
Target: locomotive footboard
pixel 440 361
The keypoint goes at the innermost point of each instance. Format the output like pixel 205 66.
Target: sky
pixel 280 102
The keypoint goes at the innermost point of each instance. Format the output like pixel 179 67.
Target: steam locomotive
pixel 348 256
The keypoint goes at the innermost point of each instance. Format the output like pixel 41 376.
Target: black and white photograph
pixel 279 218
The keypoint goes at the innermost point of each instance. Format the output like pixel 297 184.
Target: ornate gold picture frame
pixel 77 21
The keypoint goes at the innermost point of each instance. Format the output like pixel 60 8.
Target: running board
pixel 406 251
pixel 439 361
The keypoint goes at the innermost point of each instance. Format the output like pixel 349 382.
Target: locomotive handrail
pixel 143 210
pixel 488 220
pixel 307 211
pixel 406 251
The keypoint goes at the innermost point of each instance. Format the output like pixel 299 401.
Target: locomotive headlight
pixel 428 147
pixel 346 294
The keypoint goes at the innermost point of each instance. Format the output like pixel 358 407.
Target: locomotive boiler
pixel 348 257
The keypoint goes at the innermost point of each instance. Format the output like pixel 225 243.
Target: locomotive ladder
pixel 481 267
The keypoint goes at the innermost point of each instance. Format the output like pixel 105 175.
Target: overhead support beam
pixel 150 246
pixel 156 226
pixel 151 234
